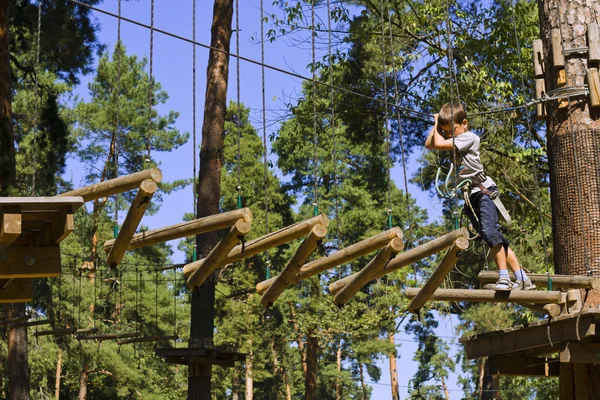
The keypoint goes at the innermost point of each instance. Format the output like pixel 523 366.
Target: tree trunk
pixel 446 392
pixel 18 371
pixel 362 381
pixel 235 384
pixel 83 382
pixel 209 189
pixel 311 365
pixel 58 372
pixel 393 368
pixel 7 136
pixel 338 381
pixel 279 368
pixel 573 151
pixel 249 375
pixel 298 338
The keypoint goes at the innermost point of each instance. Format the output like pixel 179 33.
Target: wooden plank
pixel 580 352
pixel 31 262
pixel 114 186
pixel 17 291
pixel 41 203
pixel 541 280
pixel 557 56
pixel 132 221
pixel 524 366
pixel 10 226
pixel 593 34
pixel 491 296
pixel 435 280
pixel 286 277
pixel 56 231
pixel 540 92
pixel 185 229
pixel 530 338
pixel 37 216
pixel 538 58
pixel 566 382
pixel 593 80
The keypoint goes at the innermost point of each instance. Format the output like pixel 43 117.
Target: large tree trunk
pixel 235 384
pixel 311 365
pixel 573 152
pixel 83 382
pixel 393 369
pixel 18 371
pixel 249 374
pixel 7 136
pixel 209 189
pixel 58 373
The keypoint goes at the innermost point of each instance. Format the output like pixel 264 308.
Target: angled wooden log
pixel 409 257
pixel 146 339
pixel 131 223
pixel 491 296
pixel 185 229
pixel 10 225
pixel 17 291
pixel 340 257
pixel 263 243
pixel 371 270
pixel 286 277
pixel 61 226
pixel 114 186
pixel 541 280
pixel 436 278
pixel 215 258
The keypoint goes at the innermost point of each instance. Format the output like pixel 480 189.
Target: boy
pixel 452 117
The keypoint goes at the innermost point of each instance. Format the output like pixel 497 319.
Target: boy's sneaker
pixel 527 285
pixel 504 285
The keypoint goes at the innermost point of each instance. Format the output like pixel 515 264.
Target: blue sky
pixel 173 69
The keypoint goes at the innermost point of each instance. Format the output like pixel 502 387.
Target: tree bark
pixel 298 338
pixel 446 392
pixel 362 381
pixel 209 188
pixel 235 384
pixel 83 381
pixel 18 371
pixel 393 368
pixel 249 375
pixel 7 136
pixel 311 365
pixel 58 373
pixel 338 381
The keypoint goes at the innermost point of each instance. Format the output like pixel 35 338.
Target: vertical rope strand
pixel 194 134
pixel 151 82
pixel 314 101
pixel 117 90
pixel 37 94
pixel 239 105
pixel 264 126
pixel 386 120
pixel 452 80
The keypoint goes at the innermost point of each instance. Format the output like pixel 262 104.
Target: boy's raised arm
pixel 435 141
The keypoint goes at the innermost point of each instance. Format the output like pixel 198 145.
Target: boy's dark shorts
pixel 488 226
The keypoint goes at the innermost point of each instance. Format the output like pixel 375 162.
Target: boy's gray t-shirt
pixel 471 167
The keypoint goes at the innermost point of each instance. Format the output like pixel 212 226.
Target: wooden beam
pixel 61 226
pixel 489 296
pixel 375 266
pixel 593 34
pixel 17 291
pixel 107 336
pixel 215 258
pixel 286 277
pixel 185 229
pixel 557 56
pixel 524 366
pixel 538 58
pixel 540 92
pixel 409 257
pixel 147 339
pixel 86 331
pixel 566 382
pixel 29 323
pixel 114 186
pixel 15 320
pixel 593 80
pixel 435 280
pixel 580 352
pixel 551 310
pixel 56 332
pixel 263 243
pixel 131 223
pixel 45 204
pixel 31 262
pixel 10 226
pixel 340 257
pixel 541 280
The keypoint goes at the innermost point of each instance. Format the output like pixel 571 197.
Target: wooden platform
pixel 200 355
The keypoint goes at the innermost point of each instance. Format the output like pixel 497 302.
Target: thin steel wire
pixel 264 126
pixel 239 101
pixel 314 101
pixel 386 119
pixel 150 83
pixel 117 112
pixel 194 134
pixel 37 94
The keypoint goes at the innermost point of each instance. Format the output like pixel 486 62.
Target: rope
pixel 194 134
pixel 117 125
pixel 239 106
pixel 386 127
pixel 37 93
pixel 314 101
pixel 151 82
pixel 264 126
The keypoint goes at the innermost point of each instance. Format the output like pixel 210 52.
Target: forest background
pixel 489 76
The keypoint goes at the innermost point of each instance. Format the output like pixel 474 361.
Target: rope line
pixel 386 120
pixel 116 96
pixel 239 106
pixel 194 134
pixel 37 93
pixel 264 126
pixel 150 82
pixel 314 101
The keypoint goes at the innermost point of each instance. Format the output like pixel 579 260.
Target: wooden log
pixel 107 336
pixel 114 186
pixel 28 324
pixel 368 273
pixel 551 310
pixel 263 243
pixel 540 92
pixel 10 226
pixel 524 366
pixel 557 56
pixel 15 320
pixel 56 332
pixel 491 296
pixel 340 257
pixel 594 86
pixel 86 330
pixel 18 291
pixel 58 229
pixel 409 257
pixel 593 34
pixel 538 58
pixel 436 278
pixel 286 277
pixel 31 262
pixel 146 339
pixel 131 223
pixel 185 229
pixel 541 280
pixel 215 258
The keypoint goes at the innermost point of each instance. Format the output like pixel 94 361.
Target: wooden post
pixel 434 281
pixel 131 223
pixel 540 92
pixel 557 56
pixel 593 34
pixel 409 257
pixel 263 243
pixel 566 384
pixel 368 273
pixel 189 228
pixel 114 186
pixel 490 296
pixel 58 229
pixel 340 257
pixel 10 226
pixel 214 259
pixel 559 281
pixel 286 277
pixel 594 86
pixel 538 58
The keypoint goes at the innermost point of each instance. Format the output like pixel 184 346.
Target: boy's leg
pixel 523 280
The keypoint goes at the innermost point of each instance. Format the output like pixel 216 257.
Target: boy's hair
pixel 450 110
